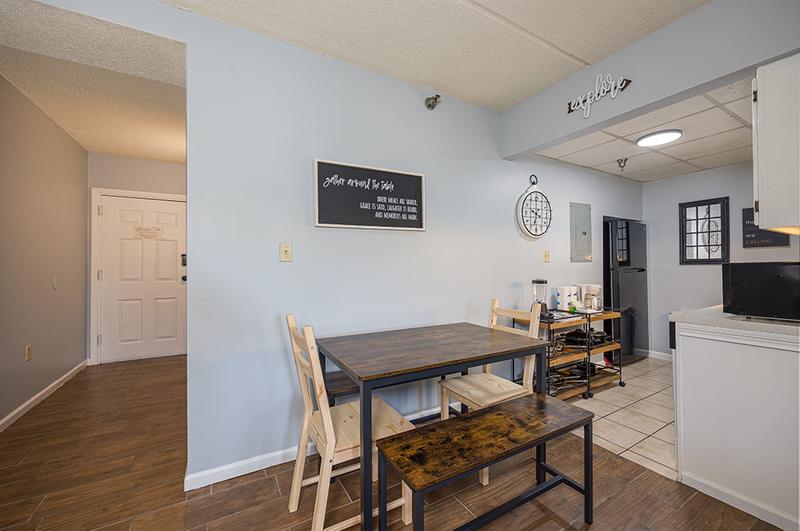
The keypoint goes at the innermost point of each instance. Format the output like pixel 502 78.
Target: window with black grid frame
pixel 704 231
pixel 622 244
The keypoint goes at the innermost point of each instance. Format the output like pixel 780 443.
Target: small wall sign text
pixel 603 85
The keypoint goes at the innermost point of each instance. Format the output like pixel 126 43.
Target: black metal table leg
pixel 587 473
pixel 418 510
pixel 382 501
pixel 366 456
pixel 541 458
pixel 464 408
pixel 541 370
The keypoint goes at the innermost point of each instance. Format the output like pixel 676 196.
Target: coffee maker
pixel 590 295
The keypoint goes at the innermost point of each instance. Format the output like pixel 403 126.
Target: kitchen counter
pixel 737 411
pixel 714 316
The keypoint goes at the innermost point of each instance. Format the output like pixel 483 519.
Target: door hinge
pixel 99 274
pixel 99 339
pixel 755 205
pixel 99 210
pixel 755 95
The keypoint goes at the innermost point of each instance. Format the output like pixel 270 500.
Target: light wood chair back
pixel 533 331
pixel 309 371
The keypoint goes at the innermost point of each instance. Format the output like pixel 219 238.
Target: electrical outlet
pixel 285 252
pixel 28 352
pixel 547 256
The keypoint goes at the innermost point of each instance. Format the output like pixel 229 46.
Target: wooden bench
pixel 437 454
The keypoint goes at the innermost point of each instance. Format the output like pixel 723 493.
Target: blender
pixel 539 294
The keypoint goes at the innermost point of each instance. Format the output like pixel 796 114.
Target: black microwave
pixel 762 289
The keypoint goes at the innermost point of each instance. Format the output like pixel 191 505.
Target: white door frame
pixel 95 224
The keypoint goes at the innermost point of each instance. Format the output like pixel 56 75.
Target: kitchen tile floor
pixel 637 421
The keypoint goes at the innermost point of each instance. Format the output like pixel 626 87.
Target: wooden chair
pixel 334 431
pixel 483 389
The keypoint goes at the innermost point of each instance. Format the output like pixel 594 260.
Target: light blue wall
pixel 674 287
pixel 259 112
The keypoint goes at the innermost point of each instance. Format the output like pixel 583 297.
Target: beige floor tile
pixel 669 391
pixel 599 407
pixel 666 369
pixel 651 363
pixel 667 433
pixel 658 377
pixel 629 371
pixel 662 400
pixel 646 384
pixel 637 421
pixel 652 465
pixel 657 450
pixel 613 396
pixel 650 409
pixel 608 445
pixel 617 433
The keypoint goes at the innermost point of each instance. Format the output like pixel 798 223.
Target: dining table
pixel 383 359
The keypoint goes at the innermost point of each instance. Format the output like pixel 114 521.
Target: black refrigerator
pixel 625 283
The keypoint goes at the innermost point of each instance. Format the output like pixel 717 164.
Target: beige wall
pixel 126 173
pixel 43 211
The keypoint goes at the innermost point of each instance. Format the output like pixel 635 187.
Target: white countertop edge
pixel 714 316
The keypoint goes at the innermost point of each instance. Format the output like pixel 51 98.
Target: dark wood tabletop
pixel 383 354
pixel 436 452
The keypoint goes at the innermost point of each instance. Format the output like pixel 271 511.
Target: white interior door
pixel 142 290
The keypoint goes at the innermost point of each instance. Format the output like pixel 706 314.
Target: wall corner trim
pixel 9 419
pixel 660 355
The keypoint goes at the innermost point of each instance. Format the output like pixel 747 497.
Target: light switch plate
pixel 285 252
pixel 547 256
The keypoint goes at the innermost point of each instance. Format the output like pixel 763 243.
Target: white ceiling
pixel 716 132
pixel 494 53
pixel 113 89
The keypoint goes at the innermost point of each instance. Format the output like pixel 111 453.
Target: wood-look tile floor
pixel 108 450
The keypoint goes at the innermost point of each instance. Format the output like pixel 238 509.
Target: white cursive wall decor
pixel 602 85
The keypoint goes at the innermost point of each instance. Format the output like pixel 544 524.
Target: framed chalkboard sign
pixel 752 236
pixel 361 197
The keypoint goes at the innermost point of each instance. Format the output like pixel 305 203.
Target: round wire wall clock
pixel 533 211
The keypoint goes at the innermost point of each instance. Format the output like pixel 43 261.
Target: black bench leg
pixel 587 473
pixel 382 501
pixel 418 508
pixel 541 458
pixel 464 408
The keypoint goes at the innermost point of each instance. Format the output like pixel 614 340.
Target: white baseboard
pixel 747 504
pixel 246 466
pixel 653 354
pixel 41 395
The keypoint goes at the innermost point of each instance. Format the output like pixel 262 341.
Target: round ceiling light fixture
pixel 659 138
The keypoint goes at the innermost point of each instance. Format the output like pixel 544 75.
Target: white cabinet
pixel 776 145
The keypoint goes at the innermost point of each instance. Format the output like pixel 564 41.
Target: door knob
pixel 183 278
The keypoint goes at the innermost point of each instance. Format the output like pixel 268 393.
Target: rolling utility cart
pixel 570 370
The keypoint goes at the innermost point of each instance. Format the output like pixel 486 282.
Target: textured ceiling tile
pixel 662 172
pixel 47 30
pixel 577 144
pixel 733 91
pixel 710 145
pixel 103 110
pixel 457 47
pixel 664 115
pixel 742 108
pixel 696 126
pixel 610 151
pixel 591 30
pixel 636 164
pixel 725 158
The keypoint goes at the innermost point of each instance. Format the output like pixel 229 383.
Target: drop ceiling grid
pixel 722 138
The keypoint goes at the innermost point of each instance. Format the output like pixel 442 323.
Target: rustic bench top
pixel 436 452
pixel 383 354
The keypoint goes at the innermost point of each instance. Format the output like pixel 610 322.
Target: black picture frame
pixel 691 251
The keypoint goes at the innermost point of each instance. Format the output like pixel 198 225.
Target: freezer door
pixel 632 290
